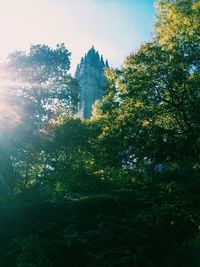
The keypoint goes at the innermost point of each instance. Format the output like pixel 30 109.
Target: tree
pixel 43 87
pixel 155 118
pixel 70 158
pixel 42 90
pixel 178 25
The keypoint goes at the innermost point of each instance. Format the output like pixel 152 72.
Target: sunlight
pixel 9 113
pixel 51 22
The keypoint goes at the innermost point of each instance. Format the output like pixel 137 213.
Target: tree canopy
pixel 118 189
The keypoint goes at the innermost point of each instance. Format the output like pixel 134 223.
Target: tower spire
pixel 91 79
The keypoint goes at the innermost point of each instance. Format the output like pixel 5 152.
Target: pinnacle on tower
pixel 90 76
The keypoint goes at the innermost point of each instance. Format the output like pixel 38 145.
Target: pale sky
pixel 114 27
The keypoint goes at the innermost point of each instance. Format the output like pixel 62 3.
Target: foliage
pixel 120 189
pixel 42 82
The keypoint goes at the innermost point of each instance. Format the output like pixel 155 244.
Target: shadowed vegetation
pixel 118 189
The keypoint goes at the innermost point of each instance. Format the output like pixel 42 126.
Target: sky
pixel 115 27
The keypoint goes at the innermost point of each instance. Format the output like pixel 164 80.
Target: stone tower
pixel 90 76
